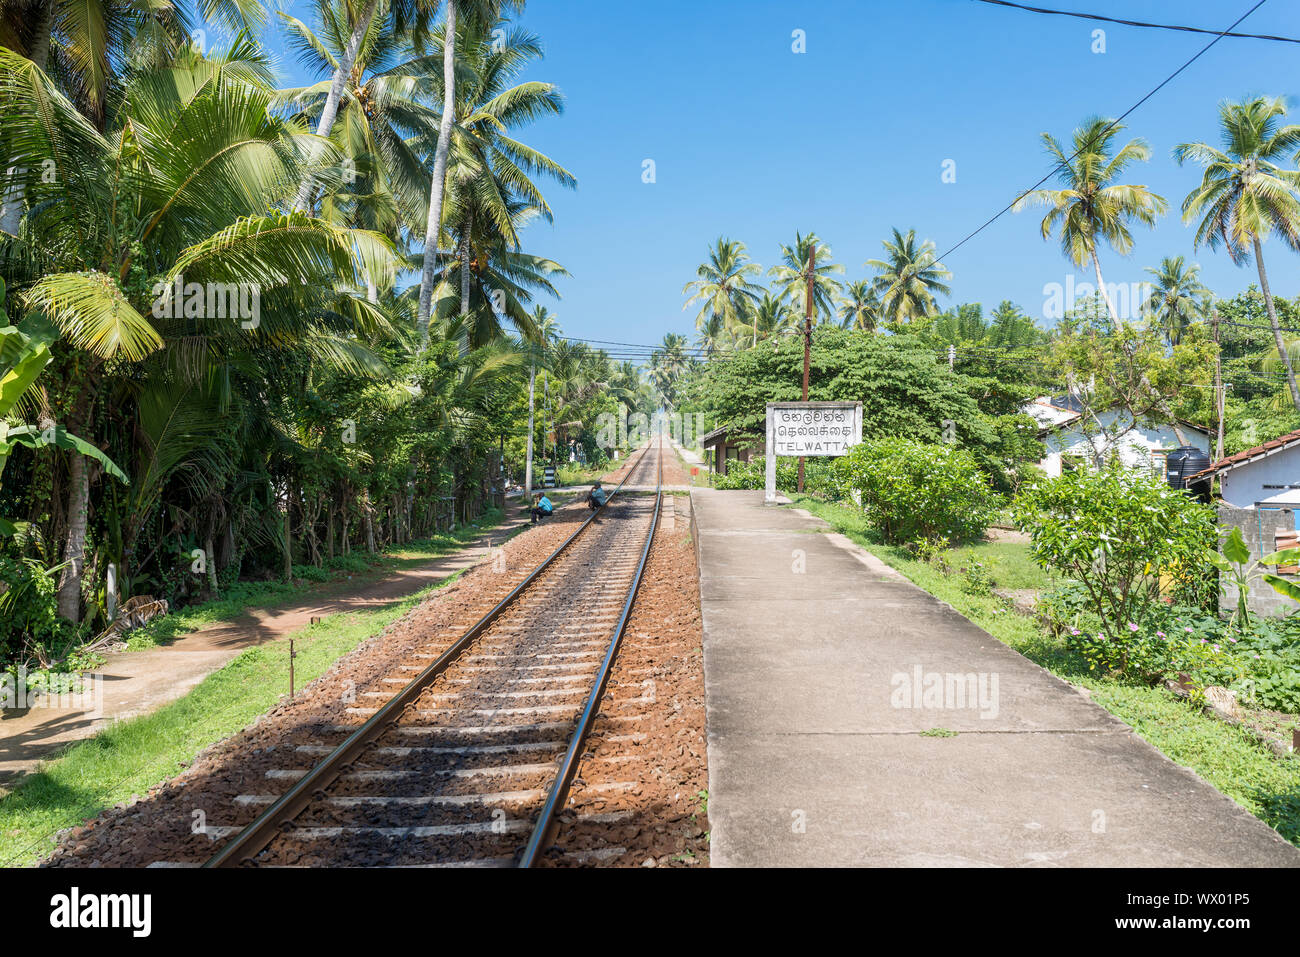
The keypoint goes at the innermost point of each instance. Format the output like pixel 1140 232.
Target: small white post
pixel 110 593
pixel 769 494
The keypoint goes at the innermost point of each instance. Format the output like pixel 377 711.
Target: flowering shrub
pixel 911 490
pixel 1154 650
pixel 1125 537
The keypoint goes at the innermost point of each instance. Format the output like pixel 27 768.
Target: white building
pixel 1267 475
pixel 1259 490
pixel 1109 434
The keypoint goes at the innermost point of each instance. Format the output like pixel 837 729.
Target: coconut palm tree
pixel 1011 328
pixel 1245 196
pixel 490 187
pixel 714 335
pixel 384 101
pixel 347 23
pixel 481 11
pixel 859 307
pixel 499 285
pixel 724 288
pixel 668 364
pixel 790 276
pixel 907 279
pixel 766 318
pixel 78 46
pixel 197 159
pixel 1091 207
pixel 1177 297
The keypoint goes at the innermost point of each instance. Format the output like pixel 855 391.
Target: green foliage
pixel 1123 536
pixel 931 551
pixel 977 578
pixel 1135 373
pixel 906 390
pixel 1236 566
pixel 819 476
pixel 911 490
pixel 30 628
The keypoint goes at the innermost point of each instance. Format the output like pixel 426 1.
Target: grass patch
pixel 1226 756
pixel 131 756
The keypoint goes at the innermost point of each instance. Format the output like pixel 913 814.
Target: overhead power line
pixel 1136 23
pixel 1113 123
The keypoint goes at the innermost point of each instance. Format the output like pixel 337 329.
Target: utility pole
pixel 807 335
pixel 528 454
pixel 1218 386
pixel 952 356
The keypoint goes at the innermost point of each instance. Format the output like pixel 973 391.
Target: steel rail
pixel 559 793
pixel 249 842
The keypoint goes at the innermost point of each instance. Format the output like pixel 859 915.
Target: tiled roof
pixel 1240 458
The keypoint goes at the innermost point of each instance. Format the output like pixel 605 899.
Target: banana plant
pixel 24 354
pixel 1236 565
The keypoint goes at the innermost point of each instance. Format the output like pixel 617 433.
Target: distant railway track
pixel 470 762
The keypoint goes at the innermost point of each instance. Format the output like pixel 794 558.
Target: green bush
pixel 914 490
pixel 353 562
pixel 310 573
pixel 1125 538
pixel 818 477
pixel 29 621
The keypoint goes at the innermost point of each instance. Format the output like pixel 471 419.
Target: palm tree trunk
pixel 40 50
pixel 368 513
pixel 464 265
pixel 528 461
pixel 11 206
pixel 331 109
pixel 1105 297
pixel 211 558
pixel 288 537
pixel 1272 321
pixel 434 222
pixel 74 549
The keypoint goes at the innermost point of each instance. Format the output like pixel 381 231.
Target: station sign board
pixel 809 429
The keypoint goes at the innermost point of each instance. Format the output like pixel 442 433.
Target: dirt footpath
pixel 138 682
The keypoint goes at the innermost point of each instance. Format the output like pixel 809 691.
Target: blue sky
pixel 753 141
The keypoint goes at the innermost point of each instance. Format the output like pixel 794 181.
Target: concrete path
pixel 823 668
pixel 136 682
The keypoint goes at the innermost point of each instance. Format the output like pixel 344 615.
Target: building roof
pixel 711 438
pixel 1054 411
pixel 1248 455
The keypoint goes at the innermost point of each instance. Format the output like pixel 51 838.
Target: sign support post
pixel 807 337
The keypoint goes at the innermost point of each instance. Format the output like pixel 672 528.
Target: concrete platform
pixel 823 666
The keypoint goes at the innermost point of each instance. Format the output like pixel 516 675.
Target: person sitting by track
pixel 597 497
pixel 542 508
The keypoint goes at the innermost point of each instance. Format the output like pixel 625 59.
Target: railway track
pixel 469 759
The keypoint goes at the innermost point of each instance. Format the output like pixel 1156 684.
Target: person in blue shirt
pixel 542 508
pixel 597 497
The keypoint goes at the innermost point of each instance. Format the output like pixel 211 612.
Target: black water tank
pixel 1184 462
